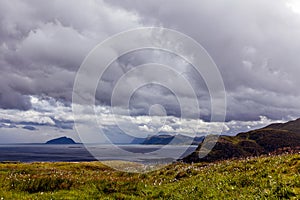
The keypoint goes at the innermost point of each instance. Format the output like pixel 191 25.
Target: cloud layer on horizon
pixel 50 118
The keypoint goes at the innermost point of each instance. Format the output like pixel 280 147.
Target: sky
pixel 254 44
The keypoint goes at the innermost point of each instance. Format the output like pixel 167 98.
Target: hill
pixel 273 139
pixel 292 126
pixel 61 140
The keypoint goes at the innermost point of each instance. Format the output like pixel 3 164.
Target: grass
pixel 275 177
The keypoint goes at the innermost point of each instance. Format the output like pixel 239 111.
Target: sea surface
pixel 146 154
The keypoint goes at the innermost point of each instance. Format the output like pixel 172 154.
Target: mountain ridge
pixel 168 139
pixel 272 139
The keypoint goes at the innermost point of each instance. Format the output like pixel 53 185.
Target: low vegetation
pixel 273 177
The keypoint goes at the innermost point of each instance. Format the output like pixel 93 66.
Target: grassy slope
pixel 265 177
pixel 248 144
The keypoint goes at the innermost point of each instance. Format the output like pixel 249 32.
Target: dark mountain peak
pixel 61 140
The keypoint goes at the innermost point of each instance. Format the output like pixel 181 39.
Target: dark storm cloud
pixel 144 97
pixel 254 44
pixel 42 44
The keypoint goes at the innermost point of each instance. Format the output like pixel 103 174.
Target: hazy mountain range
pixel 164 139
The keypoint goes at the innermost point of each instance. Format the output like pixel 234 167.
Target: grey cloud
pixel 254 44
pixel 14 100
pixel 144 97
pixel 7 125
pixel 42 44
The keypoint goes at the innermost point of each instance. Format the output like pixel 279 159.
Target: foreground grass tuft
pixel 276 177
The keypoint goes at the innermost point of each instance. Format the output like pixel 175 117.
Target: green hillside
pixel 273 139
pixel 273 177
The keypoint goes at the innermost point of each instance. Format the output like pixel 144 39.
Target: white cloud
pixel 45 110
pixel 294 5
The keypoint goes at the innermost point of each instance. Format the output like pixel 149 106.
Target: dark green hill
pixel 292 126
pixel 275 139
pixel 61 140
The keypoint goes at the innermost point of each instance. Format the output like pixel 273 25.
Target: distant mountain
pixel 137 140
pixel 168 139
pixel 61 140
pixel 30 128
pixel 116 136
pixel 275 138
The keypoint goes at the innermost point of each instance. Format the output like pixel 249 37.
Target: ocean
pixel 145 154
